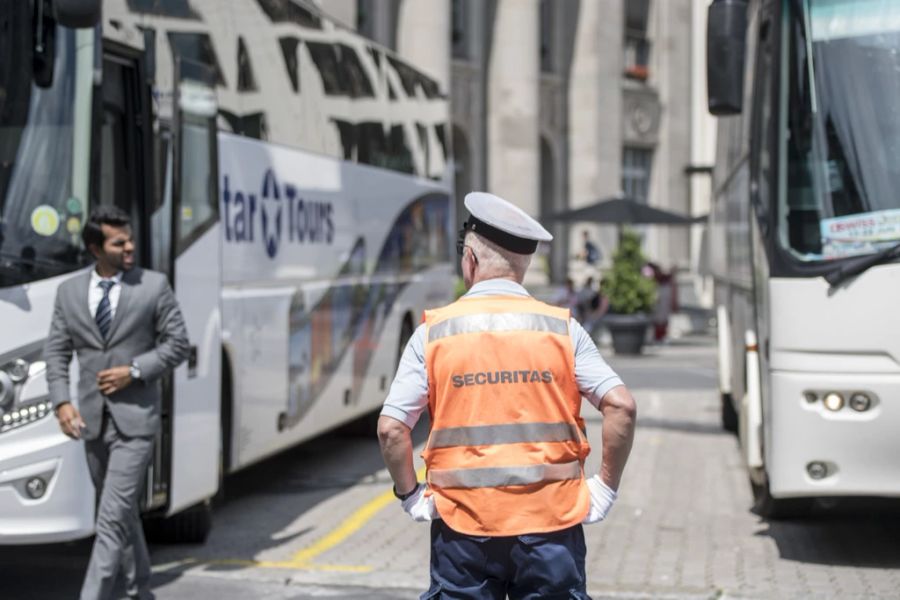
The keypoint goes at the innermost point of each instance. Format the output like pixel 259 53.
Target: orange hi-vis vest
pixel 506 451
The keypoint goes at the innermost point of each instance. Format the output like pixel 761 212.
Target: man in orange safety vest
pixel 503 376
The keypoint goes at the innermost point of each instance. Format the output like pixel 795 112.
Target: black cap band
pixel 505 240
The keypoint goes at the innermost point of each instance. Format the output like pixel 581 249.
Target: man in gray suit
pixel 125 326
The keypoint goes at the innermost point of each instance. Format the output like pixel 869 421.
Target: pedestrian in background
pixel 503 376
pixel 124 325
pixel 593 306
pixel 568 297
pixel 666 299
pixel 590 252
pixel 587 295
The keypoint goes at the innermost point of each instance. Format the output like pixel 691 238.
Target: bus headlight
pixel 860 402
pixel 23 396
pixel 817 470
pixel 833 401
pixel 35 487
pixel 18 370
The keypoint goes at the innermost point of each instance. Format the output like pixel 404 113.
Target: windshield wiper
pixel 854 267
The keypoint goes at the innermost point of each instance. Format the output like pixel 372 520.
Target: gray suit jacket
pixel 147 328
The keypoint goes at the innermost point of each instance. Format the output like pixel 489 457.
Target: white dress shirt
pixel 408 396
pixel 95 293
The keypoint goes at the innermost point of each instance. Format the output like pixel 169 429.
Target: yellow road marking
pixel 349 526
pixel 302 560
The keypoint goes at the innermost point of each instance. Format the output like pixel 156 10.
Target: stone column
pixel 670 27
pixel 514 165
pixel 423 37
pixel 595 113
pixel 703 152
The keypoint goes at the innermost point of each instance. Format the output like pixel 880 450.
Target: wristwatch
pixel 402 497
pixel 135 370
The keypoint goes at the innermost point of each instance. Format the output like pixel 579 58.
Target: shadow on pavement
pixel 260 502
pixel 851 532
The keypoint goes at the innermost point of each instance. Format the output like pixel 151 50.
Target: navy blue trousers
pixel 548 566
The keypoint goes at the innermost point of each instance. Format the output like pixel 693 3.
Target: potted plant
pixel 631 296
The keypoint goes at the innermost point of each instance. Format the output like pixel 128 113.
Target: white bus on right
pixel 805 242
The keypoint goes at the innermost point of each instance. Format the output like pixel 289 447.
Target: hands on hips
pixel 419 506
pixel 602 499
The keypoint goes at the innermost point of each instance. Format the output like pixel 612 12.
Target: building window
pixel 547 24
pixel 636 165
pixel 637 56
pixel 289 11
pixel 637 47
pixel 175 9
pixel 246 80
pixel 459 40
pixel 365 18
pixel 289 45
pixel 198 48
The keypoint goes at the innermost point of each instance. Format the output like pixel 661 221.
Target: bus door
pixel 196 259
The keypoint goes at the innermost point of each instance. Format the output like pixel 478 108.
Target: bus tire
pixel 225 428
pixel 777 509
pixel 729 414
pixel 190 526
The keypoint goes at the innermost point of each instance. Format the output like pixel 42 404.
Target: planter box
pixel 628 332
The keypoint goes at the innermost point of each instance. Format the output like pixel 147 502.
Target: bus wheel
pixel 190 526
pixel 778 508
pixel 729 415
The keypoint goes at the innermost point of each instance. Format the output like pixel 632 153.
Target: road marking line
pixel 303 559
pixel 349 526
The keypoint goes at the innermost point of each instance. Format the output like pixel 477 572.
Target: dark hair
pixel 102 215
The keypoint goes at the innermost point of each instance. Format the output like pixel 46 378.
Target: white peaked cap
pixel 504 223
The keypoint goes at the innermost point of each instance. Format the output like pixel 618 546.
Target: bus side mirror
pixel 77 14
pixel 725 48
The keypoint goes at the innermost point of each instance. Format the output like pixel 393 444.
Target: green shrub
pixel 626 288
pixel 459 289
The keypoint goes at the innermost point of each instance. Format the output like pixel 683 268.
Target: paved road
pixel 319 521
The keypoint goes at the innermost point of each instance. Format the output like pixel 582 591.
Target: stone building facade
pixel 561 103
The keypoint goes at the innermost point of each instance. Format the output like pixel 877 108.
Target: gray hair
pixel 494 261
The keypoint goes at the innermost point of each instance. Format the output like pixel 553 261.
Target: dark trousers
pixel 118 466
pixel 548 566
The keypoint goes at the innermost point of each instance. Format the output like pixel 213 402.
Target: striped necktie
pixel 104 309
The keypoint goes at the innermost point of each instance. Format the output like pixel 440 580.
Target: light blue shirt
pixel 408 396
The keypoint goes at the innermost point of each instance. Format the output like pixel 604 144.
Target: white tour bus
pixel 289 176
pixel 804 244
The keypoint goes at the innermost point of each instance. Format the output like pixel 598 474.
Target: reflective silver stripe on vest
pixel 503 476
pixel 514 433
pixel 497 322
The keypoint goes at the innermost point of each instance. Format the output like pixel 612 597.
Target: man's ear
pixel 95 250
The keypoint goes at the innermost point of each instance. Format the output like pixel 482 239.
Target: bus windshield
pixel 40 221
pixel 842 154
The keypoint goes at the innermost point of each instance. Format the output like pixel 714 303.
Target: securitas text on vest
pixel 495 377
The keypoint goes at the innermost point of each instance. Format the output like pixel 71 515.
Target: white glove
pixel 602 498
pixel 419 506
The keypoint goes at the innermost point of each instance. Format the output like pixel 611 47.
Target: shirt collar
pixel 496 287
pixel 96 279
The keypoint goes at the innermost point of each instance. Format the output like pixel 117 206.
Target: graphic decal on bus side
pixel 353 312
pixel 308 222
